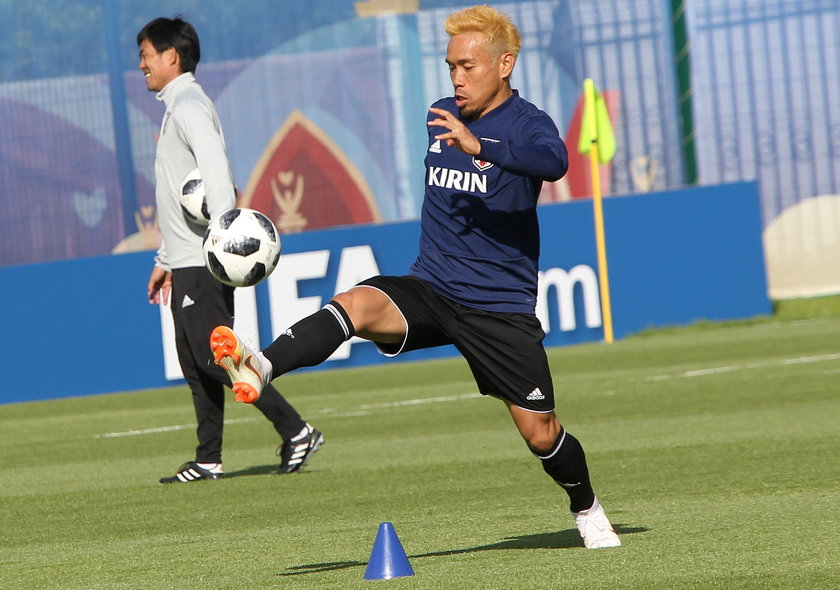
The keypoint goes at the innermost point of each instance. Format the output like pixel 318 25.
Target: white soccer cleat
pixel 241 364
pixel 595 528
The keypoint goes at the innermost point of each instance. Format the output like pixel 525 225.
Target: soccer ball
pixel 193 200
pixel 241 247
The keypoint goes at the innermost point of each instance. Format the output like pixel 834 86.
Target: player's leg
pixel 285 418
pixel 307 343
pixel 560 453
pixel 300 439
pixel 362 310
pixel 313 339
pixel 213 305
pixel 209 403
pixel 197 301
pixel 564 460
pixel 206 390
pixel 507 359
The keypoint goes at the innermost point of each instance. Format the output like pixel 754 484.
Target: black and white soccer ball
pixel 241 247
pixel 193 198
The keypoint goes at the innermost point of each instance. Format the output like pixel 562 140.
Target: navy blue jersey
pixel 480 238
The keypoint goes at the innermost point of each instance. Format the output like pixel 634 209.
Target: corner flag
pixel 596 127
pixel 597 140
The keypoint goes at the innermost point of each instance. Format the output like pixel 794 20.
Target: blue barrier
pixel 84 327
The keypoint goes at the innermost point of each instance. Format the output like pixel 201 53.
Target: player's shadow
pixel 263 470
pixel 565 539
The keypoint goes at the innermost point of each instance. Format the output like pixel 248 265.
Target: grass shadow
pixel 565 539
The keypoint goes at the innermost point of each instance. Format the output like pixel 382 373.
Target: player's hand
pixel 160 284
pixel 458 135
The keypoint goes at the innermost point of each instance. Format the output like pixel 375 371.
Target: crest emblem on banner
pixel 303 180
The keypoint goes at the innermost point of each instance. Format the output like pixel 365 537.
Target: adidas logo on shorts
pixel 535 395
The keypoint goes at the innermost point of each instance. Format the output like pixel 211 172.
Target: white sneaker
pixel 240 363
pixel 595 528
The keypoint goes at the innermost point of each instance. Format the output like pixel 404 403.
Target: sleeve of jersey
pixel 538 152
pixel 196 123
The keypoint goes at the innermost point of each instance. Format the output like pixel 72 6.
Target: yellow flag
pixel 596 127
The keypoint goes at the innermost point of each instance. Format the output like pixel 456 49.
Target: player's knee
pixel 354 305
pixel 540 442
pixel 540 435
pixel 345 298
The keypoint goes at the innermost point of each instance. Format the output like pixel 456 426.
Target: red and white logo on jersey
pixel 481 164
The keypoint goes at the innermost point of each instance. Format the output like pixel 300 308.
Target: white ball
pixel 193 199
pixel 241 247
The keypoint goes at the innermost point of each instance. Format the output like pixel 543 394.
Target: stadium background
pixel 323 105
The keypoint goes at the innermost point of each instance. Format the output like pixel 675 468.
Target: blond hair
pixel 500 34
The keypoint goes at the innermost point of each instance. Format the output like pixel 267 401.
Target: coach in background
pixel 191 137
pixel 474 283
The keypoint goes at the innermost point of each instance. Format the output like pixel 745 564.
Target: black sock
pixel 565 462
pixel 310 341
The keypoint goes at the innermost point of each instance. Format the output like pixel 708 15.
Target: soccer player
pixel 191 137
pixel 474 283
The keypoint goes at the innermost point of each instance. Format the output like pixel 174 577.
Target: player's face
pixel 478 76
pixel 159 68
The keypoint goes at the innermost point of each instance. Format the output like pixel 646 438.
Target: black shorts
pixel 504 350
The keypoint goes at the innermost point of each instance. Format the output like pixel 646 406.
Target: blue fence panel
pixel 765 84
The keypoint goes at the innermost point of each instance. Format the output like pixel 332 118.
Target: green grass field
pixel 713 449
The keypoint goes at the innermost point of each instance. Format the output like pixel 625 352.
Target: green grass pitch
pixel 713 449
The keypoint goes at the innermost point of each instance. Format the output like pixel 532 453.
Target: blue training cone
pixel 388 559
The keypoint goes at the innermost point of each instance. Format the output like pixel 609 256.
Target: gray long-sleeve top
pixel 190 136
